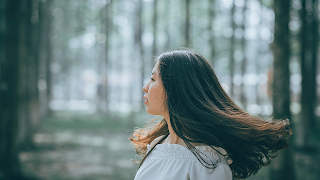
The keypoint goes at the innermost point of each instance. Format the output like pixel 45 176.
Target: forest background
pixel 72 72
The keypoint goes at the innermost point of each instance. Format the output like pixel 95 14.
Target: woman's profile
pixel 203 133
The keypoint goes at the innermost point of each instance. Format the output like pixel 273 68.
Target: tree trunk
pixel 211 32
pixel 25 138
pixel 309 45
pixel 109 28
pixel 10 100
pixel 282 167
pixel 45 57
pixel 33 72
pixel 154 23
pixel 187 24
pixel 315 47
pixel 140 45
pixel 167 29
pixel 244 59
pixel 231 50
pixel 48 57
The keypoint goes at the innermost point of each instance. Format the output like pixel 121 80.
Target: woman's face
pixel 155 94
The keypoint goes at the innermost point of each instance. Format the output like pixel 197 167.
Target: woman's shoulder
pixel 154 142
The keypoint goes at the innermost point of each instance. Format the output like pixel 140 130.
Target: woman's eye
pixel 152 79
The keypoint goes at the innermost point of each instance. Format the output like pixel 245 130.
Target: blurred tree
pixel 244 56
pixel 105 21
pixel 167 28
pixel 309 38
pixel 28 110
pixel 45 56
pixel 154 23
pixel 10 99
pixel 187 24
pixel 232 49
pixel 211 17
pixel 138 41
pixel 282 167
pixel 32 94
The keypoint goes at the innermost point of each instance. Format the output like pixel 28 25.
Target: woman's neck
pixel 173 138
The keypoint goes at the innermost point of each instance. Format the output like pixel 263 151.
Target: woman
pixel 204 134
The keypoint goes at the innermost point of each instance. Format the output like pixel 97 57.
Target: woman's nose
pixel 145 88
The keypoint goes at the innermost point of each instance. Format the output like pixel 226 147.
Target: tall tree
pixel 211 15
pixel 109 30
pixel 48 55
pixel 10 100
pixel 139 42
pixel 45 55
pixel 154 23
pixel 187 24
pixel 282 167
pixel 25 132
pixel 244 59
pixel 309 37
pixel 167 29
pixel 32 94
pixel 232 49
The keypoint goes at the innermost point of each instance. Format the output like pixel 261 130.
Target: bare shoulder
pixel 156 140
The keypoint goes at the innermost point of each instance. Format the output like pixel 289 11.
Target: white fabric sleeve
pixel 221 172
pixel 153 143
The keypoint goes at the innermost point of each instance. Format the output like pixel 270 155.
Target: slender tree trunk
pixel 231 50
pixel 167 15
pixel 32 95
pixel 187 24
pixel 109 28
pixel 154 23
pixel 211 32
pixel 258 60
pixel 244 59
pixel 282 167
pixel 24 50
pixel 315 47
pixel 309 45
pixel 48 57
pixel 42 58
pixel 2 65
pixel 140 45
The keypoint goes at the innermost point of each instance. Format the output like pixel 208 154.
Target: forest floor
pixel 92 147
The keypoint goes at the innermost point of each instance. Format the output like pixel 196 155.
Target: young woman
pixel 204 134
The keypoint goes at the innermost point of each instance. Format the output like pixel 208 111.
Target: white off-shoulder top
pixel 176 162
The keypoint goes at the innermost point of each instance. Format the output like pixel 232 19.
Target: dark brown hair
pixel 201 112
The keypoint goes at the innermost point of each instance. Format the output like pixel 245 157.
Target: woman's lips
pixel 146 102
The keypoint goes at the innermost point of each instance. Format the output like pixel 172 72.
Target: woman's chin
pixel 149 111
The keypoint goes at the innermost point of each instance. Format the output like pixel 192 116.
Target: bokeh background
pixel 72 73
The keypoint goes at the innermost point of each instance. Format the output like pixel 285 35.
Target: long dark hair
pixel 201 112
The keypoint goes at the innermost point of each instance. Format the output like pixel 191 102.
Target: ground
pixel 92 147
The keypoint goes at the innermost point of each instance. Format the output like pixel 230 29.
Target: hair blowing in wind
pixel 201 112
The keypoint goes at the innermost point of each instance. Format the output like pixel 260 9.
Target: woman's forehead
pixel 155 70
